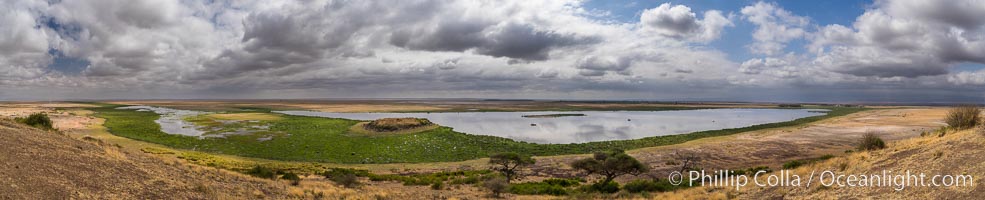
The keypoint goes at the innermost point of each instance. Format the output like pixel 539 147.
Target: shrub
pixel 603 187
pixel 332 172
pixel 262 172
pixel 751 171
pixel 793 164
pixel 346 177
pixel 346 180
pixel 37 120
pixel 564 182
pixel 537 188
pixel 554 186
pixel 437 185
pixel 496 185
pixel 870 141
pixel 963 117
pixel 294 178
pixel 643 185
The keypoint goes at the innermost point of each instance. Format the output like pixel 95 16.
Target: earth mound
pixel 396 124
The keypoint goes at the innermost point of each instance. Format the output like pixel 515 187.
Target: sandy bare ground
pixel 772 147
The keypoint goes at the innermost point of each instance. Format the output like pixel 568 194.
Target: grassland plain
pixel 298 138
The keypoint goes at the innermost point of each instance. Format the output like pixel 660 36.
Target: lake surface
pixel 593 126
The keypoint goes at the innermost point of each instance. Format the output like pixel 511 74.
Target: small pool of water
pixel 593 126
pixel 171 120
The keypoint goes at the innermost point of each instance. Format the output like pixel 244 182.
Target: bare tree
pixel 688 160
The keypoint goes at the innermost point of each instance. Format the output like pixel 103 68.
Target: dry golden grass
pixel 963 117
pixel 53 165
pixel 956 153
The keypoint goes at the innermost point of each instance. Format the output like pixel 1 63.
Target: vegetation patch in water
pixel 396 124
pixel 555 115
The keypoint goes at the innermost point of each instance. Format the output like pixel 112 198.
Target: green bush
pixel 564 182
pixel 554 186
pixel 643 185
pixel 453 177
pixel 438 185
pixel 963 117
pixel 262 172
pixel 602 187
pixel 870 141
pixel 751 171
pixel 793 164
pixel 37 120
pixel 294 178
pixel 347 180
pixel 346 177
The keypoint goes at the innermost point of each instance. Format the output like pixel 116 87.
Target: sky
pixel 885 51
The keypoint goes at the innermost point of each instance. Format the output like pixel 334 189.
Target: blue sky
pixel 736 38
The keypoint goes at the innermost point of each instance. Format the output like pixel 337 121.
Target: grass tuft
pixel 963 117
pixel 869 142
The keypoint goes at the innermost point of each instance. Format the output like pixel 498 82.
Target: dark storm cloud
pixel 902 69
pixel 511 40
pixel 599 65
pixel 967 15
pixel 525 42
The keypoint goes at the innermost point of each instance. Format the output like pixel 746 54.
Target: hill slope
pixel 36 164
pixel 956 153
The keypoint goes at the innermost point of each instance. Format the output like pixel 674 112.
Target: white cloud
pixel 23 45
pixel 976 78
pixel 678 21
pixel 905 38
pixel 775 27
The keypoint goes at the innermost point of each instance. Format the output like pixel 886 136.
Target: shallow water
pixel 594 126
pixel 171 120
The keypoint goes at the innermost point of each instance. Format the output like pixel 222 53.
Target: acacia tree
pixel 611 165
pixel 510 164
